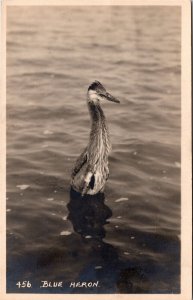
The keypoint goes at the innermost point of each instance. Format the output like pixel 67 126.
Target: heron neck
pixel 96 112
pixel 99 129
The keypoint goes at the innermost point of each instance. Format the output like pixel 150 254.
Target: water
pixel 128 239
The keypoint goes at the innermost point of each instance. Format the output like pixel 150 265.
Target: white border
pixel 186 246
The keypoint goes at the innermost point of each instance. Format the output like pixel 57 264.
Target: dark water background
pixel 129 238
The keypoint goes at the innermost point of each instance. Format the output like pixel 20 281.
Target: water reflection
pixel 88 214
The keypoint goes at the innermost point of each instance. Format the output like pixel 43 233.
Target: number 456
pixel 24 284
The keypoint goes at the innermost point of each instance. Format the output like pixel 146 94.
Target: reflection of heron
pixel 89 216
pixel 103 264
pixel 91 169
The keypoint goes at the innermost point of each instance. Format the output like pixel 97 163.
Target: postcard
pixel 96 149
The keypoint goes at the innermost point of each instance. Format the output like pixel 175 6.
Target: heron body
pixel 91 168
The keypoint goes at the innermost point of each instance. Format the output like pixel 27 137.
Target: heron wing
pixel 82 159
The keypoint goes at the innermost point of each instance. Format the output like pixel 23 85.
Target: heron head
pixel 96 91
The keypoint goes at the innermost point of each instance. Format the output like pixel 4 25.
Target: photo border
pixel 186 187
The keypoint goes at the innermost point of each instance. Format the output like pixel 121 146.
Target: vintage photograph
pixel 93 149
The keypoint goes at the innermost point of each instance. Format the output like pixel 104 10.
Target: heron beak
pixel 109 97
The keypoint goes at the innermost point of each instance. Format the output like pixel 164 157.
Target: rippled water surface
pixel 128 238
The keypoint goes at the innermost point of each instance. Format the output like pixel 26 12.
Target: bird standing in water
pixel 91 168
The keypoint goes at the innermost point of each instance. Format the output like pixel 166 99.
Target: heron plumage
pixel 91 168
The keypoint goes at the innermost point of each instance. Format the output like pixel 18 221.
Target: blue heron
pixel 91 168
